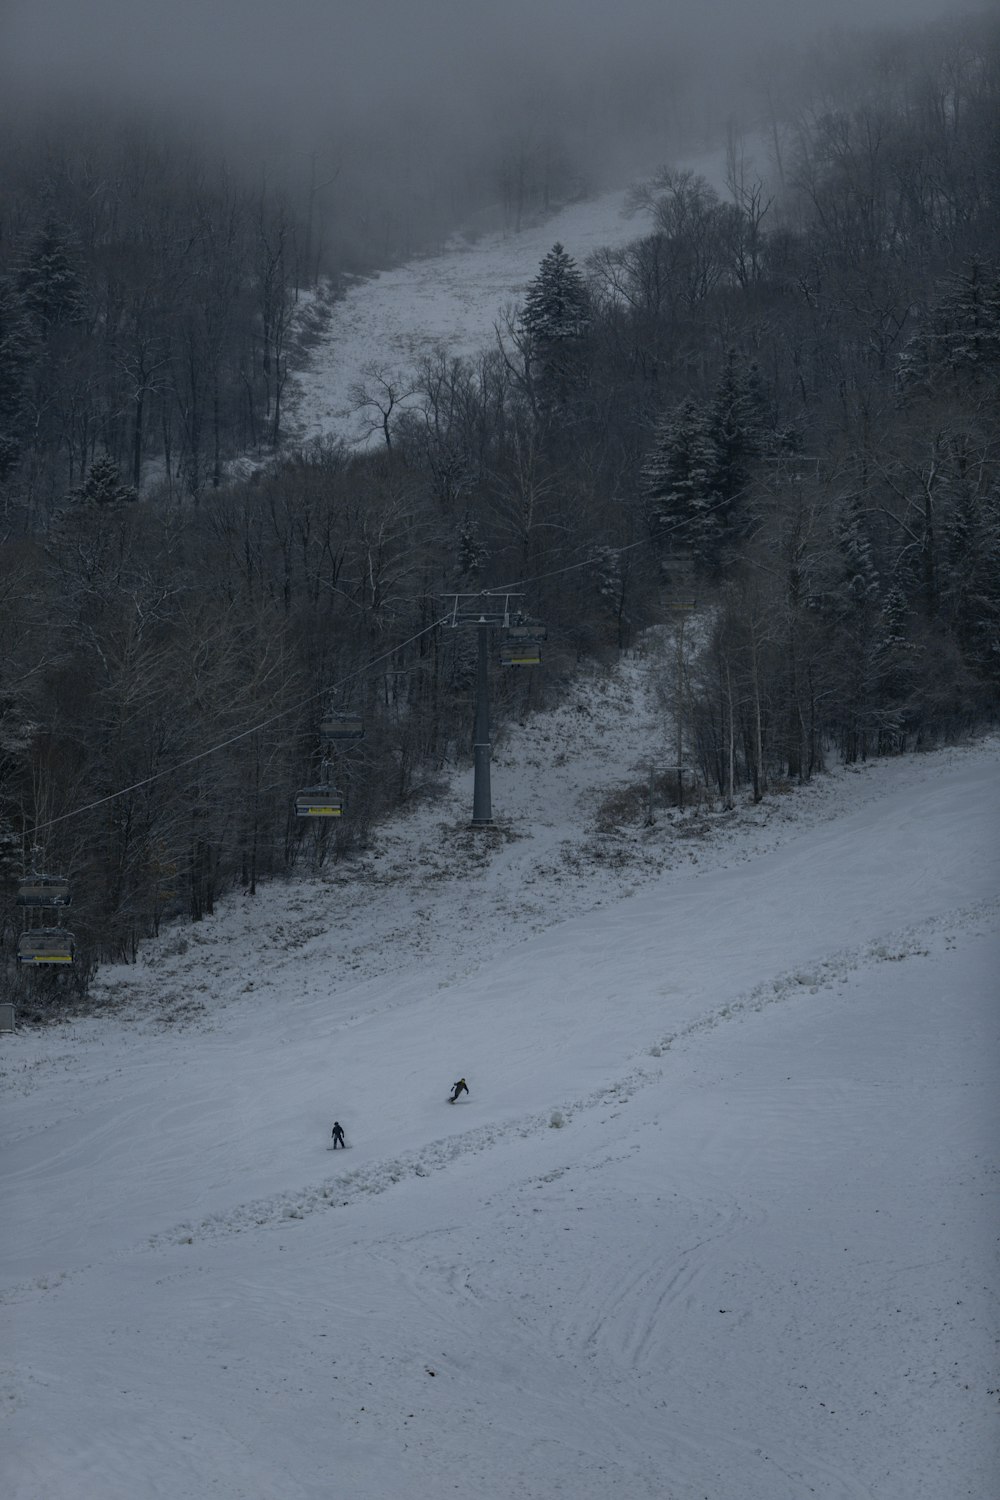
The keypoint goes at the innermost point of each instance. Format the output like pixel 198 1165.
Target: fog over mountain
pixel 310 62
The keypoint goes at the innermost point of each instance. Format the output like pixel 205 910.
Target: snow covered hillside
pixel 717 1218
pixel 451 301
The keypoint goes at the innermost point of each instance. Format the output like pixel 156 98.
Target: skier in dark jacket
pixel 338 1135
pixel 461 1087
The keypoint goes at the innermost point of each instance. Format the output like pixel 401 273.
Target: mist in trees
pixel 782 398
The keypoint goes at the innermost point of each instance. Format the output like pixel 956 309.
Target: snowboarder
pixel 338 1135
pixel 461 1087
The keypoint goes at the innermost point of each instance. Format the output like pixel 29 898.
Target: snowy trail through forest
pixel 449 302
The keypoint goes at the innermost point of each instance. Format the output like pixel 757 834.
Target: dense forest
pixel 782 402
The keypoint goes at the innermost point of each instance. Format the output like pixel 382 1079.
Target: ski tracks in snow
pixel 637 1344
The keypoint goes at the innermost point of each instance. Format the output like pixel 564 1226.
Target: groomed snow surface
pixel 717 1220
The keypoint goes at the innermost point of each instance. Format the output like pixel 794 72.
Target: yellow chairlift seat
pixel 46 945
pixel 319 802
pixel 520 654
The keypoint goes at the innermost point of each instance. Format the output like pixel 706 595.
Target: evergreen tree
pixel 678 483
pixel 972 579
pixel 49 279
pixel 104 487
pixel 698 474
pixel 960 341
pixel 736 428
pixel 15 364
pixel 859 590
pixel 472 553
pixel 896 666
pixel 855 619
pixel 556 319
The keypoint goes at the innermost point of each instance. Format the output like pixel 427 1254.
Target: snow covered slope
pixel 716 1220
pixel 451 301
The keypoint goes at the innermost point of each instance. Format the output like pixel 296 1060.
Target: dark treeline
pixel 827 442
pixel 785 401
pixel 152 293
pixel 146 304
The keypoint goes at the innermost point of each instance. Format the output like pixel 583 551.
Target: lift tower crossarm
pixel 484 608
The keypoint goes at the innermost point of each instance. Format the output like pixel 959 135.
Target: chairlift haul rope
pixel 325 692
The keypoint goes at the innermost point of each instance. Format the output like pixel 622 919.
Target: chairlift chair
pixel 525 629
pixel 44 890
pixel 341 726
pixel 520 653
pixel 319 802
pixel 46 945
pixel 678 574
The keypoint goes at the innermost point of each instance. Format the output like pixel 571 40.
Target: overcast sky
pixel 305 55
